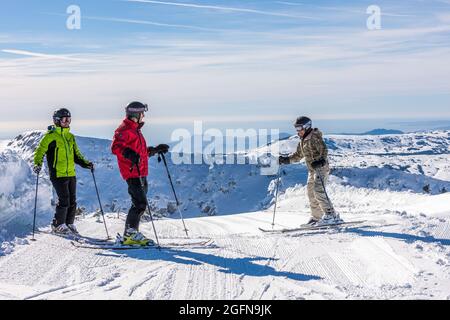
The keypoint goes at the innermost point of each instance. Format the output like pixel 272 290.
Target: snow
pixel 403 252
pixel 392 260
pixel 3 144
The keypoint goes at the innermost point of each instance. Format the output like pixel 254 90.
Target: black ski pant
pixel 66 189
pixel 138 202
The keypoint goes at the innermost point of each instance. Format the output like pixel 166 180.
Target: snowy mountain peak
pixel 414 162
pixel 25 143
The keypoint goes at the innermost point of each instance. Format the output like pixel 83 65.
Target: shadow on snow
pixel 408 238
pixel 238 266
pixel 364 232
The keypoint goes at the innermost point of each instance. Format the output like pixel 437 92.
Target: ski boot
pixel 311 223
pixel 133 237
pixel 62 229
pixel 329 219
pixel 73 229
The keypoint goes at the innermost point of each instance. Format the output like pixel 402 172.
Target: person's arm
pixel 323 149
pixel 79 158
pixel 120 146
pixel 320 151
pixel 298 155
pixel 41 150
pixel 120 142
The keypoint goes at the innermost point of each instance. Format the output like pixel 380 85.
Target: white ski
pixel 319 227
pixel 114 246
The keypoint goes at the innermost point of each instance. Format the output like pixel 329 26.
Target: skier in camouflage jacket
pixel 313 149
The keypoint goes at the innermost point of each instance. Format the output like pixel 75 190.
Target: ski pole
pixel 161 155
pixel 276 195
pixel 35 205
pixel 100 203
pixel 148 205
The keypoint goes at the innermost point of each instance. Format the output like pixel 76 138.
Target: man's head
pixel 303 125
pixel 135 111
pixel 62 118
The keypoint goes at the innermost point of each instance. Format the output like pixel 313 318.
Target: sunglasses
pixel 66 119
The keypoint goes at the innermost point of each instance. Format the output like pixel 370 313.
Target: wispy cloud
pixel 289 3
pixel 152 23
pixel 220 8
pixel 141 22
pixel 42 55
pixel 409 32
pixel 343 9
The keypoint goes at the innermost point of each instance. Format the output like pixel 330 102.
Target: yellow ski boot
pixel 132 237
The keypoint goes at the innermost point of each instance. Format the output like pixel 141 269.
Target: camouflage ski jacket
pixel 311 148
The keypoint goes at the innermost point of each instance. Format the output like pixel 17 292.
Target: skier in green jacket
pixel 62 152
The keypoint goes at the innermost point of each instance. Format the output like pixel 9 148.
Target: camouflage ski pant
pixel 318 200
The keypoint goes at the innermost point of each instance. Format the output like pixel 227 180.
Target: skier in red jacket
pixel 132 153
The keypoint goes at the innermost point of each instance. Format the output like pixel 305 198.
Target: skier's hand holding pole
pixel 160 149
pixel 37 169
pixel 284 160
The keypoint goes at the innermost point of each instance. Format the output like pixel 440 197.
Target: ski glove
pixel 284 160
pixel 131 155
pixel 90 166
pixel 151 151
pixel 162 148
pixel 37 169
pixel 318 163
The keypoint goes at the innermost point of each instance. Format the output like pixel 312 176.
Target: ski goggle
pixel 66 119
pixel 306 126
pixel 137 110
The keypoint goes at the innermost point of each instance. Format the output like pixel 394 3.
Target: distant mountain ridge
pixel 375 132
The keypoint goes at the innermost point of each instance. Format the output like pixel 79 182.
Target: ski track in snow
pixel 377 262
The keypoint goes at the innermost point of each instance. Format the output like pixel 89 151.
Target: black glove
pixel 162 148
pixel 318 163
pixel 131 155
pixel 37 169
pixel 90 166
pixel 284 160
pixel 151 151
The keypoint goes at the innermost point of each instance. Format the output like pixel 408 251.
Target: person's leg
pixel 61 186
pixel 326 207
pixel 138 202
pixel 70 219
pixel 316 211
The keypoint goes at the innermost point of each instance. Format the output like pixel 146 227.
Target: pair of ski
pixel 80 241
pixel 104 244
pixel 315 227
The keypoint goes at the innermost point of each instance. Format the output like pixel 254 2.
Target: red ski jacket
pixel 129 135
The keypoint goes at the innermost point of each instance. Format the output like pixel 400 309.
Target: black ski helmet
pixel 59 114
pixel 303 123
pixel 133 109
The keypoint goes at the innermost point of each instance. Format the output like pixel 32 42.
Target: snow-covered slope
pixel 396 182
pixel 359 161
pixel 403 255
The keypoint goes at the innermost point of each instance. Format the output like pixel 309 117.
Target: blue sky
pixel 248 63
